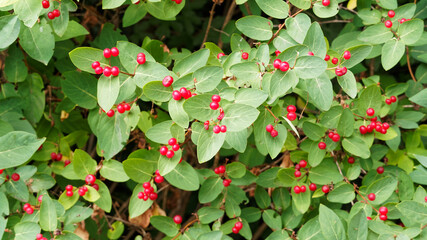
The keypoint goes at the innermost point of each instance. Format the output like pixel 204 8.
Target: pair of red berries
pixel 334 60
pixel 140 58
pixel 182 93
pixel 237 227
pixel 226 182
pixel 159 178
pixel 177 1
pixel 334 136
pixel 326 2
pixel 69 190
pixel 383 213
pixel 299 189
pixel 391 100
pixel 167 81
pixel 220 169
pixel 56 156
pixel 301 164
pixel 148 192
pixel 321 145
pixel 164 150
pixel 374 125
pixel 28 208
pixel 45 4
pixel 39 236
pixel 214 105
pixel 273 132
pixel 54 14
pixel 111 52
pixel 217 129
pixel 82 191
pixel 283 66
pixel 291 112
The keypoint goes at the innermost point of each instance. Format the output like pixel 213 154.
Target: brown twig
pixel 302 112
pixel 409 65
pixel 227 20
pixel 209 24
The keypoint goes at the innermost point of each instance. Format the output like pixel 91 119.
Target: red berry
pixel 40 198
pixel 45 4
pixel 311 53
pixel 216 98
pixel 369 218
pixel 391 14
pixel 223 128
pixel 386 126
pixel 146 185
pixel 81 192
pixel 216 129
pixel 226 183
pixel 297 167
pixel 127 106
pixel 388 24
pixel 175 147
pixel 15 177
pixel 374 119
pixel 39 236
pixel 56 13
pixel 347 55
pixel 107 71
pixel 303 188
pixel 393 98
pixel 284 66
pixel 336 137
pixel 115 71
pixel 245 55
pixel 96 186
pixel 58 157
pixel 90 179
pixel 388 101
pixel 380 170
pixel 159 179
pixel 214 105
pixel 331 134
pixel 383 210
pixel 238 225
pixel 114 51
pixel 30 210
pixel 141 195
pixel 69 193
pixel 425 198
pixel 303 163
pixel 172 141
pixel 297 190
pixel 274 133
pixel 338 72
pixel 1 171
pixel 235 230
pixel 371 196
pixel 220 117
pixel 99 70
pixel 369 128
pixel 351 160
pixel 312 187
pixel 326 2
pixel 141 59
pixel 176 95
pixel 322 145
pixel 277 63
pixel 177 219
pixel 383 217
pixel 188 94
pixel 327 57
pixel 334 60
pixel 291 116
pixel 216 170
pixel 269 128
pixel 50 15
pixel 291 108
pixel 153 196
pixel 95 64
pixel 107 53
pixel 170 154
pixel 120 108
pixel 110 113
pixel 325 188
pixel 167 81
pixel 69 188
pixel 53 156
pixel 220 55
pixel 277 52
pixel 178 1
pixel 402 20
pixel 27 205
pixel 297 174
pixel 370 112
pixel 221 169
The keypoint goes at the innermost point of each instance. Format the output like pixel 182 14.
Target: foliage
pixel 294 120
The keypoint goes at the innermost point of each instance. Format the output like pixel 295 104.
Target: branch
pixel 209 24
pixel 409 65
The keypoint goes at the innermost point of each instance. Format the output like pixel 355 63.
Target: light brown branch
pixel 209 24
pixel 409 65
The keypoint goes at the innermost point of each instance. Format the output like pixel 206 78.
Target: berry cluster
pixel 291 112
pixel 148 193
pixel 28 208
pixel 273 132
pixel 177 219
pixel 389 23
pixel 214 105
pixel 140 58
pixel 69 189
pixel 164 150
pixel 220 171
pixel 391 100
pixel 56 156
pixel 299 189
pixel 82 191
pixel 90 180
pixel 237 227
pixel 182 93
pixel 40 237
pixel 158 178
pixel 107 70
pixel 54 14
pixel 301 164
pixel 245 55
pixel 177 1
pixel 283 66
pixel 374 125
pixel 121 108
pixel 334 136
pixel 383 213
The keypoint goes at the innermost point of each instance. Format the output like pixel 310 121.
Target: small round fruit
pixel 39 236
pixel 223 128
pixel 172 141
pixel 50 15
pixel 96 186
pixel 245 55
pixel 115 71
pixel 393 98
pixel 326 2
pixel 331 134
pixel 170 154
pixel 175 147
pixel 297 174
pixel 347 55
pixel 159 179
pixel 90 179
pixel 216 98
pixel 141 195
pixel 167 81
pixel 27 205
pixel 238 225
pixel 69 193
pixel 107 53
pixel 386 126
pixel 58 157
pixel 214 105
pixel 30 210
pixel 221 169
pixel 216 129
pixel 327 57
pixel 153 196
pixel 336 137
pixel 235 230
pixel 220 55
pixel 303 188
pixel 107 71
pixel 177 219
pixel 15 177
pixel 371 196
pixel 81 192
pixel 334 60
pixel 351 160
pixel 216 170
pixel 391 14
pixel 402 20
pixel 141 59
pixel 311 53
pixel 380 170
pixel 291 116
pixel 40 198
pixel 284 66
pixel 369 218
pixel 120 108
pixel 269 128
pixel 383 210
pixel 388 24
pixel 325 188
pixel 297 190
pixel 127 106
pixel 176 95
pixel 277 52
pixel 114 51
pixel 1 171
pixel 303 163
pixel 274 133
pixel 370 112
pixel 297 167
pixel 56 13
pixel 383 217
pixel 291 108
pixel 338 72
pixel 99 70
pixel 53 156
pixel 226 183
pixel 312 187
pixel 69 188
pixel 388 101
pixel 146 185
pixel 95 64
pixel 322 145
pixel 45 4
pixel 276 63
pixel 110 113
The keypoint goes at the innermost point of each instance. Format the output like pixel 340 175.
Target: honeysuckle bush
pixel 294 120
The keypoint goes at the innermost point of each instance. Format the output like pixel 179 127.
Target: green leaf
pixel 91 195
pixel 184 177
pixel 207 78
pixel 286 177
pixel 413 210
pixel 375 34
pixel 163 9
pixel 303 4
pixel 370 17
pixel 358 226
pixel 110 4
pixel 348 84
pixel 315 40
pixel 129 53
pixel 139 170
pixel 320 91
pixel 133 14
pixel 38 41
pixel 382 188
pixel 81 88
pixel 9 30
pixel 313 131
pixel 326 12
pixel 356 146
pixel 346 123
pixel 298 26
pixel 410 31
pixel 262 198
pixel 149 72
pixel 73 30
pixel 283 41
pixel 392 52
pixel 104 202
pixel 330 224
pixel 210 189
pixel 113 170
pixel 325 173
pixel 238 117
pixel 198 107
pixel 274 8
pixel 308 67
pixel 34 97
pixel 17 147
pixel 117 231
pixel 315 154
pixel 157 92
pixel 166 165
pixel 358 54
pixel 256 27
pixel 311 230
pixel 272 219
pixel 18 190
pixel 26 230
pixel 209 214
pixel 83 164
pixel 369 98
pixel 177 113
pixel 83 57
pixel 60 24
pixel 28 11
pixel 209 144
pixel 236 170
pixel 301 202
pixel 237 140
pixel 281 82
pixel 238 43
pixel 343 193
pixel 66 201
pixel 246 73
pixel 192 63
pixel 420 98
pixel 14 64
pixel 250 96
pixel 48 217
pixel 138 206
pixel 108 91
